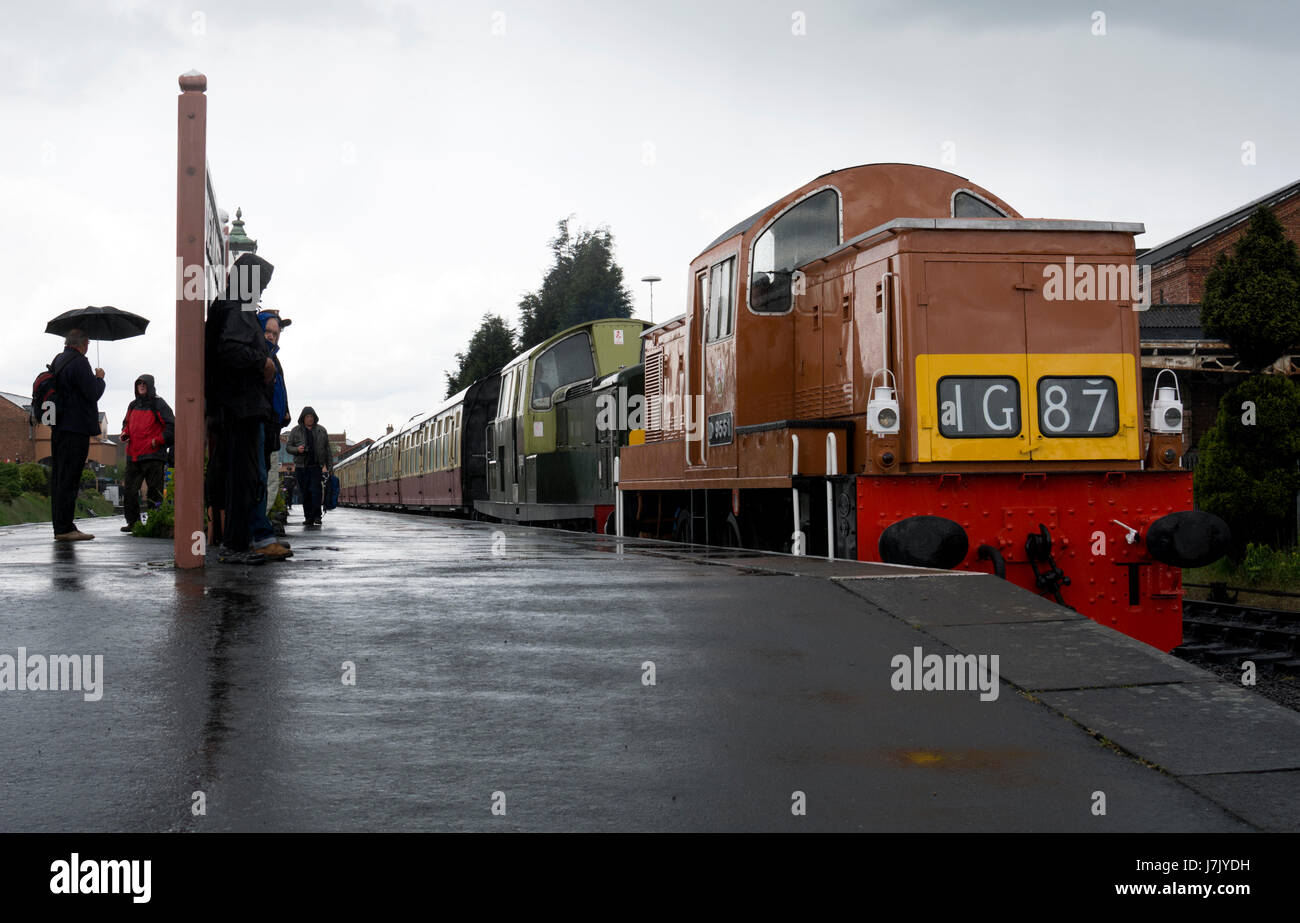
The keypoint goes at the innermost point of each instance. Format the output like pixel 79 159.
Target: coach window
pixel 808 229
pixel 567 361
pixel 722 299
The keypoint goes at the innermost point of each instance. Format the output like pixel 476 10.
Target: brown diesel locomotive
pixel 890 363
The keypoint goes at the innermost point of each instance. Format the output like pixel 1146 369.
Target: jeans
pixel 309 485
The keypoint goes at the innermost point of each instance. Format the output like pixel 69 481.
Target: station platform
pixel 501 683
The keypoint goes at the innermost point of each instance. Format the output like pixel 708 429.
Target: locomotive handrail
pixel 796 538
pixel 832 469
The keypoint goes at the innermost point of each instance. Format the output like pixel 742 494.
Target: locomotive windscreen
pixel 807 230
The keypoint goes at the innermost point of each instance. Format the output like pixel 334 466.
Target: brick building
pixel 16 444
pixel 1179 266
pixel 22 442
pixel 1171 331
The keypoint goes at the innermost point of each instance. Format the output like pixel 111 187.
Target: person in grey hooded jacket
pixel 309 444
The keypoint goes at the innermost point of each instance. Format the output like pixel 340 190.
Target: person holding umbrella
pixel 76 419
pixel 77 391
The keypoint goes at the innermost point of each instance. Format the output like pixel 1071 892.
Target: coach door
pixel 837 346
pixel 503 438
pixel 807 348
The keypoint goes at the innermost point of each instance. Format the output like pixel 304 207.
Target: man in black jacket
pixel 239 368
pixel 77 391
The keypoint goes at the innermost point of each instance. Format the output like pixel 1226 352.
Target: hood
pixel 302 416
pixel 263 317
pixel 249 272
pixel 149 392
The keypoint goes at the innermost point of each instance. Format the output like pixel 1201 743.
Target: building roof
pixel 22 402
pixel 1210 229
pixel 1171 322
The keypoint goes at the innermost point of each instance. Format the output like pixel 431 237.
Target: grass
pixel 35 508
pixel 1261 568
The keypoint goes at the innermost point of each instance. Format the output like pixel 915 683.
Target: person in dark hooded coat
pixel 309 444
pixel 238 369
pixel 148 429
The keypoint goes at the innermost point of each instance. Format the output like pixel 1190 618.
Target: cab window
pixel 807 230
pixel 567 361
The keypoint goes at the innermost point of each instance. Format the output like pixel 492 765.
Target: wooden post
pixel 191 309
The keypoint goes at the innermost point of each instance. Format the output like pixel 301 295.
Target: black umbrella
pixel 106 323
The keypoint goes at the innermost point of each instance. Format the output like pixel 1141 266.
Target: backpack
pixel 43 391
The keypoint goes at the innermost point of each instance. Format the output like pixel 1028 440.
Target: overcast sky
pixel 403 165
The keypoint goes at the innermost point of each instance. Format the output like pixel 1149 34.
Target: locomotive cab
pixel 543 456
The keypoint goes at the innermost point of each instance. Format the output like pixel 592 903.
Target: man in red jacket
pixel 147 430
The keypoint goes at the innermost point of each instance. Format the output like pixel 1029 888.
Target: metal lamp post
pixel 652 280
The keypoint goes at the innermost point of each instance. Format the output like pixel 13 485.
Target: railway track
pixel 1229 633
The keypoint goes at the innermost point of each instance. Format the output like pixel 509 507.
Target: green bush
pixel 1249 471
pixel 10 480
pixel 87 478
pixel 1265 566
pixel 161 521
pixel 35 479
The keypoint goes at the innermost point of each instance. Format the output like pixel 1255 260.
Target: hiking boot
pixel 242 557
pixel 275 552
pixel 74 536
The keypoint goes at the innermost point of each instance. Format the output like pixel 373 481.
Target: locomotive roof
pixel 885 169
pixel 556 337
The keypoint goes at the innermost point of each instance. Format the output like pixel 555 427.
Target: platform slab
pixel 976 599
pixel 1070 655
pixel 1189 728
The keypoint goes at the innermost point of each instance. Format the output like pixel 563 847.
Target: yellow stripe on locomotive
pixel 1018 407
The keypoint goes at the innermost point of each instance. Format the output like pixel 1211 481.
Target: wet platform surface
pixel 506 666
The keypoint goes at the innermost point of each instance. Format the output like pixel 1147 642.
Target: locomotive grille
pixel 654 367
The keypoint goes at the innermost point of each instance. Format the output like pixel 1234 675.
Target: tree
pixel 1252 298
pixel 492 346
pixel 1247 473
pixel 584 283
